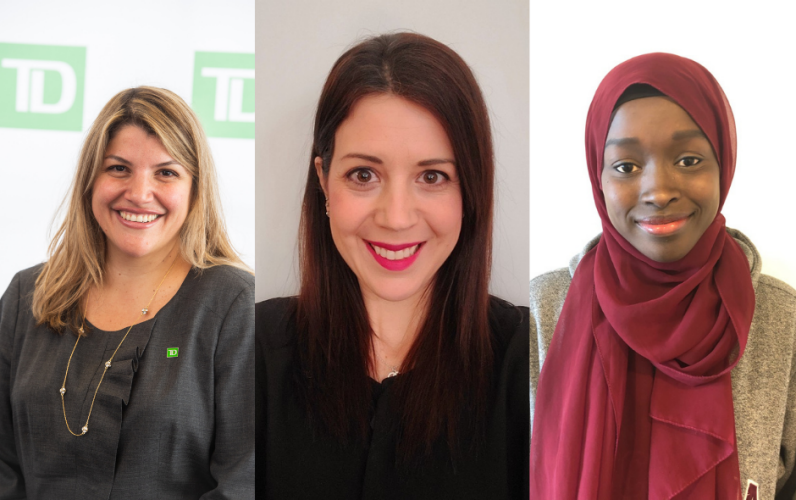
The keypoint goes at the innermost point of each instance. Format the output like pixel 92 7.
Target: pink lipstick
pixel 664 225
pixel 394 257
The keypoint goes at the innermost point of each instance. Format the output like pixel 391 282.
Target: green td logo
pixel 171 352
pixel 223 93
pixel 41 86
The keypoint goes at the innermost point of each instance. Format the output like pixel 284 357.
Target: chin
pixel 393 292
pixel 134 250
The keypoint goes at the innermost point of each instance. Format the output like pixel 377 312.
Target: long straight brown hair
pixel 444 388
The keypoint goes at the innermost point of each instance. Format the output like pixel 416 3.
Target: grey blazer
pixel 763 382
pixel 176 427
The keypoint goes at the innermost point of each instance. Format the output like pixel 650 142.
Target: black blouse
pixel 293 463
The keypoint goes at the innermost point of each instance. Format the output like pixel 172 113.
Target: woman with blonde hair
pixel 126 359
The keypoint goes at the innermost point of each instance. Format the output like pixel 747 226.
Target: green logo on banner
pixel 171 352
pixel 41 86
pixel 223 93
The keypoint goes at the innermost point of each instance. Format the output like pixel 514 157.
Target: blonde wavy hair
pixel 77 251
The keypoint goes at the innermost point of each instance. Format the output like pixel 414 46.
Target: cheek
pixel 614 201
pixel 102 194
pixel 709 194
pixel 444 216
pixel 348 212
pixel 176 198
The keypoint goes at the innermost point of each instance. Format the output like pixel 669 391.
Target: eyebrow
pixel 624 141
pixel 680 135
pixel 378 161
pixel 687 134
pixel 126 162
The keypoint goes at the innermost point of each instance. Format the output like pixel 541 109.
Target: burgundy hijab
pixel 635 398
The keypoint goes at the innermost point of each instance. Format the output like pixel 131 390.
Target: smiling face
pixel 395 207
pixel 660 178
pixel 141 196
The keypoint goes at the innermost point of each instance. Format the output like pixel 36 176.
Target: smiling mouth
pixel 664 225
pixel 393 255
pixel 131 217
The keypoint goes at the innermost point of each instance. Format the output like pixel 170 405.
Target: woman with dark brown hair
pixel 393 373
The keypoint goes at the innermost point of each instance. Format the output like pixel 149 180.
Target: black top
pixel 294 464
pixel 163 426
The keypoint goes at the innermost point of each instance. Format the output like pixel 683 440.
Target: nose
pixel 660 185
pixel 396 207
pixel 139 188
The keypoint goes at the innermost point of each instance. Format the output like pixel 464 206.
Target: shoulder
pixel 25 281
pixel 508 323
pixel 19 293
pixel 550 283
pixel 15 307
pixel 548 292
pixel 218 288
pixel 222 280
pixel 776 288
pixel 224 277
pixel 274 321
pixel 774 299
pixel 505 316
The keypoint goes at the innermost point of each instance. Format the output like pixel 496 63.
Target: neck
pixel 395 326
pixel 121 269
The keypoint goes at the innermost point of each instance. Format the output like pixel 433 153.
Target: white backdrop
pixel 751 53
pixel 297 44
pixel 146 42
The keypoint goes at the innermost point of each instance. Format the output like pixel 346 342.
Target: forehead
pixel 650 117
pixel 389 126
pixel 136 140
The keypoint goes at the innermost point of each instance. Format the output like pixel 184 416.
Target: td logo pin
pixel 171 352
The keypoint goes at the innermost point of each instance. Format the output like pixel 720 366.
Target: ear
pixel 321 177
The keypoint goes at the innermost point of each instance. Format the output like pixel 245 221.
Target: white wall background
pixel 297 44
pixel 751 50
pixel 147 42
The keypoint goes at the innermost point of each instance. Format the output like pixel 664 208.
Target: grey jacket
pixel 763 382
pixel 162 426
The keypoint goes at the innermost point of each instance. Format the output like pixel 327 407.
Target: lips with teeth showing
pixel 395 255
pixel 138 217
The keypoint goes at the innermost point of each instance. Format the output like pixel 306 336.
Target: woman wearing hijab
pixel 394 374
pixel 665 355
pixel 126 359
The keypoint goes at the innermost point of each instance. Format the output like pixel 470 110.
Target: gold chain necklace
pixel 107 363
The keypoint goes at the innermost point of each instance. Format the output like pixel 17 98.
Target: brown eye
pixel 361 176
pixel 689 161
pixel 625 168
pixel 433 177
